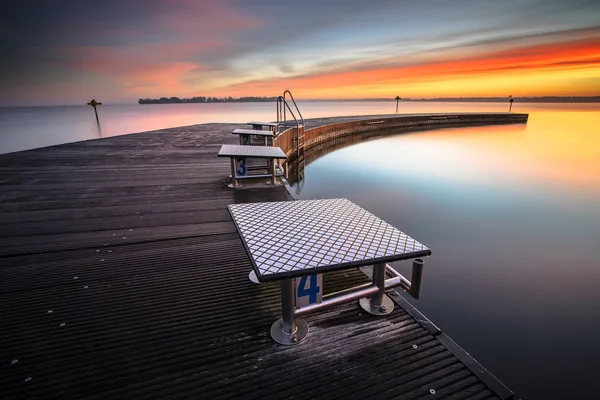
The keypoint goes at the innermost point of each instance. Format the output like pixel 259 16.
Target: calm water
pixel 23 128
pixel 512 214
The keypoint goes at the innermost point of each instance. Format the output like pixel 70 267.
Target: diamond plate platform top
pixel 230 150
pixel 295 238
pixel 252 132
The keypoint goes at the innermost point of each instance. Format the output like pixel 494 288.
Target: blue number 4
pixel 312 292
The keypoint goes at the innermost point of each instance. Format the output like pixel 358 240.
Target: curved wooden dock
pixel 122 276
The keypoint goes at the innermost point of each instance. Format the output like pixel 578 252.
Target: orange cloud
pixel 545 59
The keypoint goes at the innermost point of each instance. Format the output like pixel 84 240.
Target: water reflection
pixel 330 146
pixel 542 155
pixel 30 127
pixel 99 129
pixel 512 214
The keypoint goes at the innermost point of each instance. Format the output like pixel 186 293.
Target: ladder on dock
pixel 283 107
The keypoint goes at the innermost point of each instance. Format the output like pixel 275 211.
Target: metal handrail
pixel 295 105
pixel 281 107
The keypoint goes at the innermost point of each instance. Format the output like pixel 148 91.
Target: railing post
pixel 417 278
pixel 379 303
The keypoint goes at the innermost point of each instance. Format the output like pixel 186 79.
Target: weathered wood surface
pixel 122 276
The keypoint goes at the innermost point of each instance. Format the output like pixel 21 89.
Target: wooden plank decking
pixel 122 276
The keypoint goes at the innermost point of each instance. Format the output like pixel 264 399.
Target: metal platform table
pixel 246 134
pixel 238 155
pixel 298 238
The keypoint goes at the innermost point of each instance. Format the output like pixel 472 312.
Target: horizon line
pixel 571 99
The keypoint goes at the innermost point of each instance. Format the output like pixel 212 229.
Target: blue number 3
pixel 241 166
pixel 313 291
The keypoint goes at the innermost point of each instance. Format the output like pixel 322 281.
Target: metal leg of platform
pixel 272 171
pixel 288 330
pixel 233 183
pixel 378 304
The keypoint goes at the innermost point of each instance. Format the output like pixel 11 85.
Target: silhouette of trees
pixel 203 99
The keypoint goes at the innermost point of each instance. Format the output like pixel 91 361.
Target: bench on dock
pixel 246 135
pixel 258 125
pixel 239 165
pixel 294 241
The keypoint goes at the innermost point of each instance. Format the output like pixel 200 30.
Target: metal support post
pixel 233 183
pixel 379 303
pixel 417 278
pixel 288 330
pixel 272 170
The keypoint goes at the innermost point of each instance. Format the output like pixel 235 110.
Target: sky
pixel 67 52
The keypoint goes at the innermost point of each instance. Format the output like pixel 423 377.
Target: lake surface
pixel 512 214
pixel 23 128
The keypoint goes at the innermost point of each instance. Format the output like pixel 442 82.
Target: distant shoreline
pixel 544 99
pixel 541 99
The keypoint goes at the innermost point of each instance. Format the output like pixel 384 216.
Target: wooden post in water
pixel 397 100
pixel 94 103
pixel 510 100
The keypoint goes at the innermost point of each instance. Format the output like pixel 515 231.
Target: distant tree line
pixel 203 99
pixel 541 99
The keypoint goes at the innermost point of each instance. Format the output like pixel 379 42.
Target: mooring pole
pixel 510 100
pixel 94 103
pixel 397 100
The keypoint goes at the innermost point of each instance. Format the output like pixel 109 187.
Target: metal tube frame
pixel 278 172
pixel 370 289
pixel 291 330
pixel 378 303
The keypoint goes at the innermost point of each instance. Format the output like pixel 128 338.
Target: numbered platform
pixel 258 125
pixel 247 134
pixel 295 241
pixel 239 156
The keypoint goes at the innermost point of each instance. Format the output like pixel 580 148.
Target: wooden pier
pixel 122 276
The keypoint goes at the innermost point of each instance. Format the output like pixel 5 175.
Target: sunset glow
pixel 511 155
pixel 129 50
